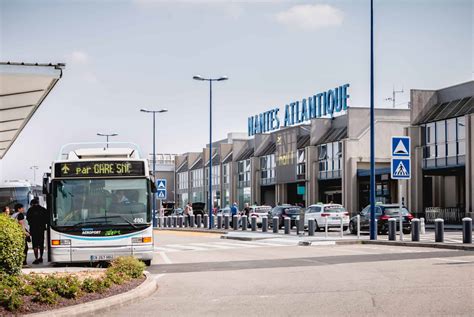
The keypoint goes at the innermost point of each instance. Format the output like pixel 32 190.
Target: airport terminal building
pixel 326 158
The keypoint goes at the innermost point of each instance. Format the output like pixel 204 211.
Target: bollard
pixel 439 230
pixel 466 230
pixel 198 220
pixel 254 223
pixel 191 221
pixel 174 221
pixel 358 226
pixel 275 224
pixel 392 229
pixel 287 224
pixel 205 220
pixel 226 222
pixel 164 222
pixel 342 228
pixel 423 228
pixel 401 226
pixel 169 222
pixel 235 223
pixel 158 222
pixel 186 221
pixel 297 225
pixel 264 224
pixel 219 221
pixel 311 227
pixel 326 226
pixel 415 229
pixel 244 222
pixel 180 221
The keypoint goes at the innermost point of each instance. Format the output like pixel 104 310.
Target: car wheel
pixel 407 231
pixel 344 228
pixel 352 228
pixel 147 262
pixel 316 227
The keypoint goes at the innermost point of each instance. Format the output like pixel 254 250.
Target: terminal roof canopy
pixel 23 87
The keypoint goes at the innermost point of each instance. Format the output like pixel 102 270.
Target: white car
pixel 332 213
pixel 259 212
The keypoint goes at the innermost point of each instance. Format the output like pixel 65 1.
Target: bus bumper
pixel 69 255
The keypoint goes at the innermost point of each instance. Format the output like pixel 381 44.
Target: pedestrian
pixel 246 210
pixel 37 219
pixel 6 211
pixel 188 211
pixel 19 215
pixel 233 211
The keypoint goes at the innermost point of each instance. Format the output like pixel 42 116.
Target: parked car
pixel 224 211
pixel 168 208
pixel 383 212
pixel 330 213
pixel 282 212
pixel 198 208
pixel 178 212
pixel 259 212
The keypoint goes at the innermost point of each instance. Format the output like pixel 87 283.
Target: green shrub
pixel 10 298
pixel 117 277
pixel 46 296
pixel 99 285
pixel 68 287
pixel 12 244
pixel 130 266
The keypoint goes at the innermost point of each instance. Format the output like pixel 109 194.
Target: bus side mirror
pixel 46 183
pixel 153 186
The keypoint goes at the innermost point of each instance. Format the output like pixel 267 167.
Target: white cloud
pixel 311 17
pixel 79 57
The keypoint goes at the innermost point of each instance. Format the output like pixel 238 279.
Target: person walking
pixel 37 219
pixel 188 212
pixel 19 215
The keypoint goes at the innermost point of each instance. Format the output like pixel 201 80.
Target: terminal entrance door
pixel 334 196
pixel 296 193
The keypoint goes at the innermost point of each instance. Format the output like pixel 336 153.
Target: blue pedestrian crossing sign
pixel 400 168
pixel 161 189
pixel 401 146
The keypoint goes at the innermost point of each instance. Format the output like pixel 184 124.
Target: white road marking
pixel 165 258
pixel 185 247
pixel 451 260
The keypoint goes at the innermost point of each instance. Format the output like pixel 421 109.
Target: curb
pixel 148 287
pixel 463 247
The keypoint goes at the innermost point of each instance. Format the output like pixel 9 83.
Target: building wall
pixel 469 165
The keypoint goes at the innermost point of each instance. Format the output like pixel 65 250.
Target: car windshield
pixel 292 211
pixel 392 211
pixel 101 201
pixel 334 209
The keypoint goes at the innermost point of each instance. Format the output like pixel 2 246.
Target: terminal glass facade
pixel 244 182
pixel 301 165
pixel 330 160
pixel 444 143
pixel 267 166
pixel 183 180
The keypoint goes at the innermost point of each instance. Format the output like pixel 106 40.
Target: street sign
pixel 401 146
pixel 400 168
pixel 400 163
pixel 161 188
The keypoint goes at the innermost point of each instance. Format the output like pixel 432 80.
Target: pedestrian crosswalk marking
pixel 214 246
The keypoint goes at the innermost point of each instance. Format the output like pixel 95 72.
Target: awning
pixel 446 110
pixel 23 87
pixel 378 171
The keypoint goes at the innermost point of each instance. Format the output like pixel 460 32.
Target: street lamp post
pixel 210 80
pixel 34 168
pixel 107 135
pixel 373 226
pixel 154 112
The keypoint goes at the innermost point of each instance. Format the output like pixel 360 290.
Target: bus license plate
pixel 101 257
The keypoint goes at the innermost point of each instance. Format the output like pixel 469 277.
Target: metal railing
pixel 450 215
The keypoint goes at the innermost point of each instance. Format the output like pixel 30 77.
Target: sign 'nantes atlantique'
pixel 322 104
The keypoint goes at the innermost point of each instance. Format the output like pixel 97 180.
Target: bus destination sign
pixel 99 169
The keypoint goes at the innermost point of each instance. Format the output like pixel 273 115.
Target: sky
pixel 125 55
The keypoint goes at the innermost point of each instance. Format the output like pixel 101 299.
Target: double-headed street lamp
pixel 107 135
pixel 154 112
pixel 210 80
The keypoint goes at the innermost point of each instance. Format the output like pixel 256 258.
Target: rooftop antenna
pixel 394 93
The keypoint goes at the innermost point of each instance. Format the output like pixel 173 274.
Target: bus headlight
pixel 141 240
pixel 61 242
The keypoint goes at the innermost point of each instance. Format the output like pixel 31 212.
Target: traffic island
pixel 74 291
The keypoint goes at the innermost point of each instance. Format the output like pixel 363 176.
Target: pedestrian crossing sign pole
pixel 400 168
pixel 161 192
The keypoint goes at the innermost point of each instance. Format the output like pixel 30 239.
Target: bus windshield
pixel 85 202
pixel 9 196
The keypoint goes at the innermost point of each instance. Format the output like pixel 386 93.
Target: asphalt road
pixel 202 275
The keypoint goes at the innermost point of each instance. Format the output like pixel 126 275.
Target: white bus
pixel 99 201
pixel 14 192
